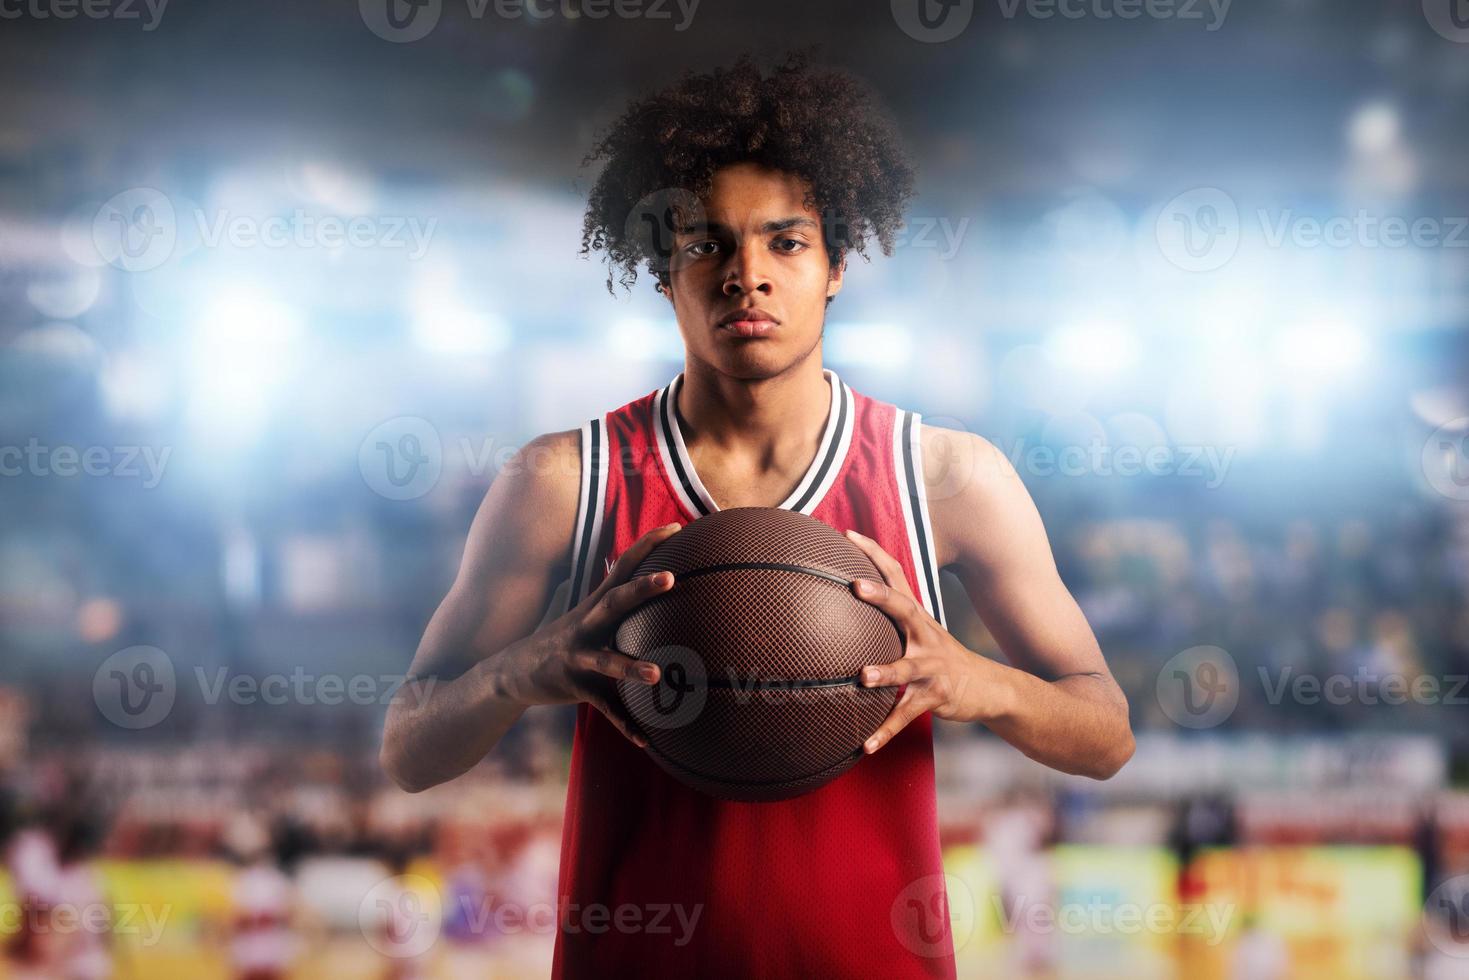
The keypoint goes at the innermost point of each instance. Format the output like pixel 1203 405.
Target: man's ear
pixel 664 286
pixel 834 280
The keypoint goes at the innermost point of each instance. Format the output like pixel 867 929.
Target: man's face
pixel 757 247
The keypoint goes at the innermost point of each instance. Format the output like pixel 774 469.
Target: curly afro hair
pixel 821 125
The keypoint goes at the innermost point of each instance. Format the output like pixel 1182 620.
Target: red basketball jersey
pixel 660 880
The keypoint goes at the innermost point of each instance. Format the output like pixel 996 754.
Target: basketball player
pixel 792 172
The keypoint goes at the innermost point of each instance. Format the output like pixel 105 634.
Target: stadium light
pixel 241 354
pixel 1093 348
pixel 1321 350
pixel 879 345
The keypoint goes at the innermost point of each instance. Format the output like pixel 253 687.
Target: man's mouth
pixel 750 328
pixel 748 323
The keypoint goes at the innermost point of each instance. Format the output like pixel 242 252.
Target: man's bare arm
pixel 1057 701
pixel 482 660
pixel 1060 705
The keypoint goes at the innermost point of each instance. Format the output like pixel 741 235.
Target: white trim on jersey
pixel 912 491
pixel 591 503
pixel 836 439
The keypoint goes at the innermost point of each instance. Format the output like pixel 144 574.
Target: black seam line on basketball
pixel 767 566
pixel 683 478
pixel 580 568
pixel 831 452
pixel 780 686
pixel 915 507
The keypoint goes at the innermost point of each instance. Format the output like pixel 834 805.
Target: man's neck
pixel 775 423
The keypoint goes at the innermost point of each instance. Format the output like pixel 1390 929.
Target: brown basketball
pixel 760 642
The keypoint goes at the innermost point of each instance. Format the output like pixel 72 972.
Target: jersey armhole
pixel 912 491
pixel 591 501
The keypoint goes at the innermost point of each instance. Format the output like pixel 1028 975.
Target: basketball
pixel 760 644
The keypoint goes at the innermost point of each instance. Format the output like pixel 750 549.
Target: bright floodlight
pixel 242 353
pixel 1374 127
pixel 879 345
pixel 1325 349
pixel 1093 348
pixel 449 328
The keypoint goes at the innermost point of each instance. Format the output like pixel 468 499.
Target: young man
pixel 774 181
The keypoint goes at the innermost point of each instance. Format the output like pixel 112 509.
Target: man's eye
pixel 789 245
pixel 702 248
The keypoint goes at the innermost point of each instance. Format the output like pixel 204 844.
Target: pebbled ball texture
pixel 760 642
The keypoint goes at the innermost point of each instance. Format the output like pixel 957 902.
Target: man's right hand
pixel 571 659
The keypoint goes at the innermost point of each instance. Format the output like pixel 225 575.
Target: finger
pixel 895 674
pixel 899 606
pixel 887 565
pixel 616 603
pixel 630 559
pixel 619 718
pixel 909 707
pixel 615 666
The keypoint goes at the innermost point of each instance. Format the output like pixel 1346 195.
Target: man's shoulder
pixel 957 462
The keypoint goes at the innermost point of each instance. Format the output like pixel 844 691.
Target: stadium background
pixel 284 283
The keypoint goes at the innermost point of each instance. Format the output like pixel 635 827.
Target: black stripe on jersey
pixel 912 477
pixel 593 461
pixel 831 451
pixel 669 394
